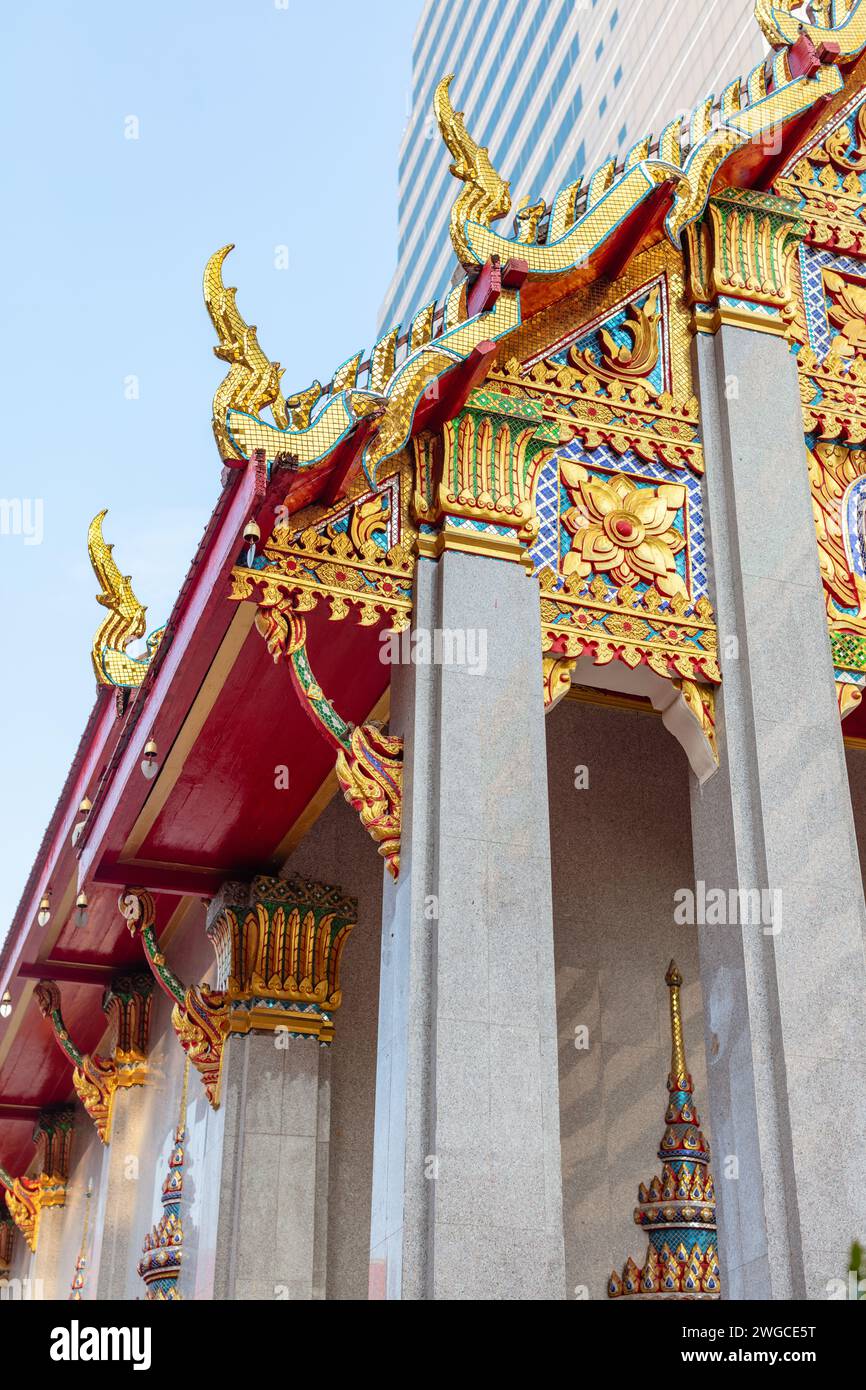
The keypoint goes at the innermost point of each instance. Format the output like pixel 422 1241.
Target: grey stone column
pixel 273 1206
pixel 119 1249
pixel 47 1268
pixel 785 1004
pixel 467 1188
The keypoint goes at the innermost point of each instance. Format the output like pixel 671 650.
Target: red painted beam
pixel 11 1111
pixel 66 974
pixel 180 883
pixel 453 389
pixel 514 273
pixel 629 238
pixel 346 459
pixel 485 288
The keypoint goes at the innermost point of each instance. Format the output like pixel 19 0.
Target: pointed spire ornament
pixel 677 1210
pixel 160 1263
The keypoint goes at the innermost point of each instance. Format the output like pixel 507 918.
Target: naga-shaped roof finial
pixel 252 382
pixel 485 196
pixel 125 622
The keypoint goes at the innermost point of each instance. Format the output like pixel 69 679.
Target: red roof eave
pixel 197 624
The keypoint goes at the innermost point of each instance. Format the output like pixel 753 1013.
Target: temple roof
pixel 323 445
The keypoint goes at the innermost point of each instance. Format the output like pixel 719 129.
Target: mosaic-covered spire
pixel 160 1263
pixel 678 1209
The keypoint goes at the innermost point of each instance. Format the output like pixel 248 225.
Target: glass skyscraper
pixel 553 87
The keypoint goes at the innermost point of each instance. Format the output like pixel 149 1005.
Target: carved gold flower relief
pixel 623 530
pixel 847 312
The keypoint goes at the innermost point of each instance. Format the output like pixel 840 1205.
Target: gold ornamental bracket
pixel 200 1016
pixel 28 1197
pixel 370 773
pixel 279 944
pixel 96 1079
pixel 356 577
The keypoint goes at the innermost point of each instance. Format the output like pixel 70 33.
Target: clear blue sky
pixel 258 124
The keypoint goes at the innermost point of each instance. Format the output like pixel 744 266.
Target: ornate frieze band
pixel 827 184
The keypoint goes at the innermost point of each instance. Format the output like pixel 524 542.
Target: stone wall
pixel 620 849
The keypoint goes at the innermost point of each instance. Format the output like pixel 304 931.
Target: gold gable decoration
pixel 826 182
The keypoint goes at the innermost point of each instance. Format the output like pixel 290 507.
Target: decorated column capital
pixel 127 1004
pixel 28 1197
pixel 741 260
pixel 279 943
pixel 7 1241
pixel 475 482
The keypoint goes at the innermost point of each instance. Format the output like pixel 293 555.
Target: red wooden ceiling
pixel 224 811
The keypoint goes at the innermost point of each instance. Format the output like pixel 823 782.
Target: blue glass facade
pixel 553 87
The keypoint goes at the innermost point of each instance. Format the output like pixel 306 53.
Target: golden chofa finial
pixel 674 981
pixel 252 383
pixel 485 196
pixel 125 622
